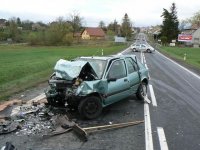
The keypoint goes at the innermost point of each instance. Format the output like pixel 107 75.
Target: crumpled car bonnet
pixel 69 70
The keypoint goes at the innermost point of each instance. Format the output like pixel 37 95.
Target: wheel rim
pixel 91 107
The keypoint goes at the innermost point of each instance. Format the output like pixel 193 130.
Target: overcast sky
pixel 141 12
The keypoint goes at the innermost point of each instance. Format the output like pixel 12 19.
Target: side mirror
pixel 111 79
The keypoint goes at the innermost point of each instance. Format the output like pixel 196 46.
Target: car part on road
pixel 9 127
pixel 62 125
pixel 83 132
pixel 147 100
pixel 8 146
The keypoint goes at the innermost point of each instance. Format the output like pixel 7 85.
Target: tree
pixel 196 18
pixel 76 22
pixel 27 25
pixel 170 24
pixel 113 26
pixel 102 26
pixel 18 22
pixel 56 33
pixel 126 27
pixel 14 33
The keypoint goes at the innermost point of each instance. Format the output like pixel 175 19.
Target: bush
pixel 164 40
pixel 68 39
pixel 36 38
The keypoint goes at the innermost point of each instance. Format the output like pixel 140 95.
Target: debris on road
pixel 36 99
pixel 61 124
pixel 8 146
pixel 8 127
pixel 6 104
pixel 83 132
pixel 35 117
pixel 147 100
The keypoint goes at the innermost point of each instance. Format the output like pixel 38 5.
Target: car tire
pixel 142 91
pixel 90 107
pixel 148 51
pixel 134 50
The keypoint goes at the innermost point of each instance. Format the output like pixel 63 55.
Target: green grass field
pixel 24 66
pixel 192 54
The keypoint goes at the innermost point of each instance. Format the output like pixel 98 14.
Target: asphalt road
pixel 171 120
pixel 177 95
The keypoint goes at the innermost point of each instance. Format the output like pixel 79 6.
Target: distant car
pixel 91 83
pixel 142 47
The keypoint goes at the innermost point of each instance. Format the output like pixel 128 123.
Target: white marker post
pixel 184 57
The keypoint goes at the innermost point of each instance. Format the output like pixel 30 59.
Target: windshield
pixel 97 64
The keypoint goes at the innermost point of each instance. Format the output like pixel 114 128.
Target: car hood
pixel 69 70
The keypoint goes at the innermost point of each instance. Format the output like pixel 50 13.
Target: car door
pixel 133 75
pixel 143 47
pixel 119 87
pixel 137 47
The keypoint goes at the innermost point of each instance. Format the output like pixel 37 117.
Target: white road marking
pixel 148 131
pixel 162 139
pixel 146 66
pixel 147 121
pixel 194 74
pixel 153 98
pixel 144 58
pixel 120 53
pixel 141 57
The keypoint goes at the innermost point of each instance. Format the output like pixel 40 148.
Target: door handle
pixel 125 80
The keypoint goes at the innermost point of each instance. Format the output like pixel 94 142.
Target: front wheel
pixel 142 91
pixel 90 107
pixel 148 51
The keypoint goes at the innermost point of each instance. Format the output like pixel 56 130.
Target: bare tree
pixel 75 21
pixel 196 18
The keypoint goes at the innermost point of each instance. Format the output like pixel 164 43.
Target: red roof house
pixel 93 33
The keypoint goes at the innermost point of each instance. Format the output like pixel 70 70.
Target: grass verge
pixel 192 54
pixel 24 66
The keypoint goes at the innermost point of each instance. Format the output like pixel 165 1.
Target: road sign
pixel 185 37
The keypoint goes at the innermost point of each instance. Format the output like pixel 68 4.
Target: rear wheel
pixel 142 91
pixel 90 107
pixel 134 50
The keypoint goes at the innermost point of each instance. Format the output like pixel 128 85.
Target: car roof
pixel 109 57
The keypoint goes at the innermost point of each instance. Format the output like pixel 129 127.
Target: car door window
pixel 117 70
pixel 131 65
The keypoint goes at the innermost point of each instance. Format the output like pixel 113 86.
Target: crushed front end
pixel 65 84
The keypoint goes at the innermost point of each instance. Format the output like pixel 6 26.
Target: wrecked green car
pixel 91 83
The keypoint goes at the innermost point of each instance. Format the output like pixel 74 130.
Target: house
pixel 190 35
pixel 196 38
pixel 2 23
pixel 93 33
